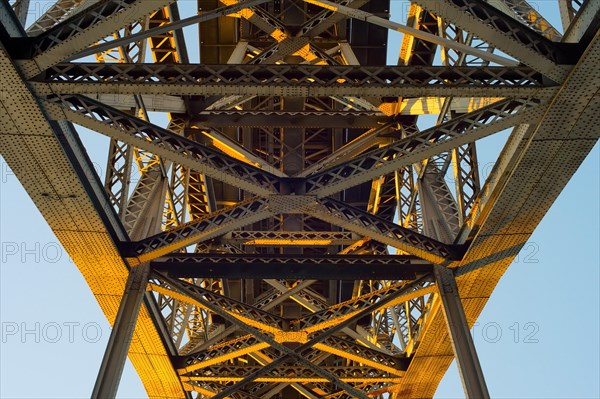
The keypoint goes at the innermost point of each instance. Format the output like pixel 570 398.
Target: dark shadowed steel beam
pixel 117 348
pixel 304 119
pixel 460 335
pixel 332 267
pixel 294 80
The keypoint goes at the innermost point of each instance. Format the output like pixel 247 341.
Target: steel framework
pixel 296 230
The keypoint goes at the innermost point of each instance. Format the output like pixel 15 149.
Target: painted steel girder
pixel 252 237
pixel 303 119
pixel 325 335
pixel 458 131
pixel 164 47
pixel 466 177
pixel 327 18
pixel 384 231
pixel 144 129
pixel 280 292
pixel 441 211
pixel 426 37
pixel 569 10
pixel 217 354
pixel 54 15
pixel 395 365
pixel 88 219
pixel 20 8
pixel 585 16
pixel 88 26
pixel 331 267
pixel 124 127
pixel 211 389
pixel 120 155
pixel 329 210
pixel 293 80
pixel 166 30
pixel 529 16
pixel 338 313
pixel 116 184
pixel 291 373
pixel 202 229
pixel 297 353
pixel 196 364
pixel 262 19
pixel 183 288
pixel 243 313
pixel 507 34
pixel 311 28
pixel 534 167
pixel 316 321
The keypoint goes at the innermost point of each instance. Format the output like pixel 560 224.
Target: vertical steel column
pixel 113 361
pixel 460 336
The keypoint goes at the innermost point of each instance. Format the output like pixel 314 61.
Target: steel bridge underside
pixel 293 178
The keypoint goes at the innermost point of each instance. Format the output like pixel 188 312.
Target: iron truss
pixel 295 229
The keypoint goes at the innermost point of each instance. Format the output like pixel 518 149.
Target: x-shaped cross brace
pixel 294 353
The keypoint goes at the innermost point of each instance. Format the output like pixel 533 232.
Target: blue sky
pixel 538 337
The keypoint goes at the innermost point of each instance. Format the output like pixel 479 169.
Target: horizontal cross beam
pixel 293 80
pixel 303 119
pixel 315 238
pixel 234 373
pixel 331 267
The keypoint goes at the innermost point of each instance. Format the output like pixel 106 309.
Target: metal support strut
pixel 460 336
pixel 113 361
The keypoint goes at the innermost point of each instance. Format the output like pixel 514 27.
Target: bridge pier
pixel 460 336
pixel 113 362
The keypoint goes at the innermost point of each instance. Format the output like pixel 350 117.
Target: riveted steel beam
pixel 96 22
pixel 318 238
pixel 347 267
pixel 241 312
pixel 325 335
pixel 156 140
pixel 160 30
pixel 205 228
pixel 294 80
pixel 509 35
pixel 384 231
pixel 458 131
pixel 530 16
pixel 460 336
pixel 185 289
pixel 303 119
pixel 60 10
pixel 338 313
pixel 416 33
pixel 113 362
